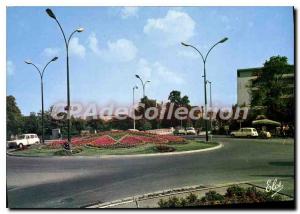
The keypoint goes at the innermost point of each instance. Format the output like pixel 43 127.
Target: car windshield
pixel 22 136
pixel 191 128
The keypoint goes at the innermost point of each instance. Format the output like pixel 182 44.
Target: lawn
pixel 93 151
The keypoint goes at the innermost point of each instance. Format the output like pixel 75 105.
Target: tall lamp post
pixel 210 104
pixel 67 41
pixel 204 76
pixel 42 90
pixel 133 89
pixel 143 83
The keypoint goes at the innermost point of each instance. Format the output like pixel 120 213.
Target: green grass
pixel 90 151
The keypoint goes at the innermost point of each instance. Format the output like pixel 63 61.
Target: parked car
pixel 191 131
pixel 179 131
pixel 23 140
pixel 245 132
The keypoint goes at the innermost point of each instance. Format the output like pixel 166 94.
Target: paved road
pixel 78 181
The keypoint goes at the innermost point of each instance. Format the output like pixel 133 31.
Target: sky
pixel 119 42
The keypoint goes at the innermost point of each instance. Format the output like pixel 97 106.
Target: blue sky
pixel 119 42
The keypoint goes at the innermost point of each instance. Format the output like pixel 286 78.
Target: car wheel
pixel 37 142
pixel 21 146
pixel 232 135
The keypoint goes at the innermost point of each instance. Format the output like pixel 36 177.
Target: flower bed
pixel 172 138
pixel 131 140
pixel 118 139
pixel 56 144
pixel 103 141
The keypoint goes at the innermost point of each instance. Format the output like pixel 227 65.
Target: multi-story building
pixel 244 84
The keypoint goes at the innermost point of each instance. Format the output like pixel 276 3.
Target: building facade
pixel 244 84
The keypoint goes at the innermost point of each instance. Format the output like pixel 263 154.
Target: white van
pixel 245 132
pixel 23 140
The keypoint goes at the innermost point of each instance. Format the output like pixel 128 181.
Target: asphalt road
pixel 78 181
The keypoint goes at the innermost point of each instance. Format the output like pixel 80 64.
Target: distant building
pixel 246 76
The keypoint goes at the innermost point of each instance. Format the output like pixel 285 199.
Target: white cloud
pixel 127 12
pixel 51 52
pixel 174 28
pixel 166 74
pixel 10 67
pixel 156 70
pixel 76 48
pixel 93 43
pixel 188 54
pixel 144 69
pixel 122 50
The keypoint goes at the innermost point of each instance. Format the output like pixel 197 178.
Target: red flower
pixel 56 144
pixel 131 140
pixel 103 141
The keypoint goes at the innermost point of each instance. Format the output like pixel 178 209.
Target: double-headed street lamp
pixel 204 76
pixel 42 90
pixel 143 83
pixel 133 116
pixel 67 41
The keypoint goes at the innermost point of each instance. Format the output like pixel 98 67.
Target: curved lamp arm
pixel 52 60
pixel 210 50
pixel 71 36
pixel 41 75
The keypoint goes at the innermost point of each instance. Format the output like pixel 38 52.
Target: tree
pixel 268 99
pixel 185 101
pixel 31 124
pixel 175 97
pixel 144 123
pixel 13 117
pixel 178 101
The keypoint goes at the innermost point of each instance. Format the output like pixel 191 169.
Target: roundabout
pixel 77 182
pixel 125 143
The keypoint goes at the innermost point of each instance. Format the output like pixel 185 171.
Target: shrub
pixel 234 194
pixel 147 125
pixel 191 198
pixel 212 197
pixel 172 202
pixel 235 191
pixel 164 148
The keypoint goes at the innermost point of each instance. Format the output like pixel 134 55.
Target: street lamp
pixel 67 41
pixel 210 104
pixel 204 76
pixel 143 83
pixel 42 90
pixel 134 88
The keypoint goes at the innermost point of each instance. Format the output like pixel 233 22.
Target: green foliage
pixel 234 195
pixel 64 152
pixel 175 97
pixel 191 198
pixel 235 191
pixel 172 202
pixel 13 117
pixel 164 148
pixel 146 126
pixel 271 98
pixel 212 196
